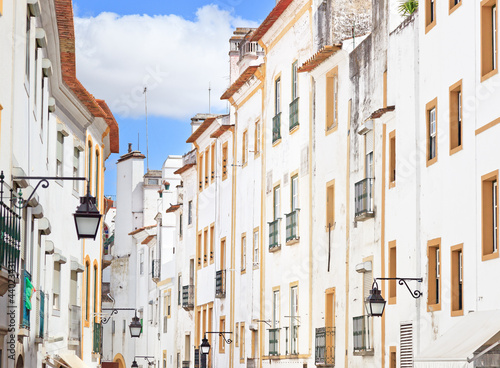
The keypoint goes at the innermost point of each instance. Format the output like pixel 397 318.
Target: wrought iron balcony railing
pixel 185 363
pixel 10 232
pixel 294 113
pixel 188 297
pixel 277 127
pixel 292 225
pixel 96 347
pixel 75 322
pixel 362 336
pixel 25 323
pixel 220 284
pixel 294 334
pixel 274 235
pixel 155 270
pixel 252 363
pixel 325 346
pixel 274 341
pixel 364 206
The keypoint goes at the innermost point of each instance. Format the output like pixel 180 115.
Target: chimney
pixel 129 147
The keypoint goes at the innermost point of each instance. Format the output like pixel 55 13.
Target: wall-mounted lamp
pixel 375 303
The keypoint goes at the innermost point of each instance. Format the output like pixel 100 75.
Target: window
pixel 222 327
pixel 59 154
pixel 454 4
pixel 294 193
pixel 205 247
pixel 489 38
pixel 392 159
pixel 276 202
pixel 392 357
pixel 89 161
pixel 96 179
pixel 207 172
pixel 456 117
pixel 87 290
pixel 489 218
pixel 190 212
pixel 212 240
pixel 430 14
pixel 243 252
pixel 276 309
pixel 431 115
pixel 257 139
pixel 96 293
pixel 237 334
pixel 277 96
pixel 330 205
pixel 73 290
pixel 164 359
pixel 200 172
pixel 179 289
pixel 332 97
pixel 392 272
pixel 76 168
pixel 244 153
pixel 212 163
pixel 256 247
pixel 294 81
pixel 180 225
pixel 224 161
pixel 28 46
pixel 56 285
pixel 294 315
pixel 457 271
pixel 168 299
pixel 199 245
pixel 242 342
pixel 369 143
pixel 141 263
pixel 434 275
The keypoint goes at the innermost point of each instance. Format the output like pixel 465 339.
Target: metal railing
pixel 250 48
pixel 362 339
pixel 96 346
pixel 10 231
pixel 274 234
pixel 292 225
pixel 325 346
pixel 277 127
pixel 185 363
pixel 155 269
pixel 294 334
pixel 220 284
pixel 75 322
pixel 294 113
pixel 274 341
pixel 196 358
pixel 252 363
pixel 188 297
pixel 364 206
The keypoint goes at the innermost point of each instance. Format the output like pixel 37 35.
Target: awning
pixel 73 361
pixel 456 348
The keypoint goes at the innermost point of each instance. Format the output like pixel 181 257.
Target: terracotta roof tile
pixel 148 239
pixel 201 129
pixel 141 229
pixel 173 208
pixel 222 129
pixel 243 78
pixel 183 169
pixel 319 57
pixel 270 20
pixel 378 113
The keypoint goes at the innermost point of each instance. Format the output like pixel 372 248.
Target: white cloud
pixel 176 58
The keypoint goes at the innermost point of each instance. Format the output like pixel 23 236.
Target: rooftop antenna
pixel 146 109
pixel 209 92
pixel 354 34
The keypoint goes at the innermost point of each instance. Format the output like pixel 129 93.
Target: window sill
pixel 275 143
pixel 489 75
pixel 256 155
pixel 432 161
pixel 275 249
pixel 457 313
pixel 293 241
pixel 488 257
pixel 455 7
pixel 392 184
pixel 430 26
pixel 256 266
pixel 244 165
pixel 56 312
pixel 330 130
pixel 294 129
pixel 243 271
pixel 455 150
pixel 433 307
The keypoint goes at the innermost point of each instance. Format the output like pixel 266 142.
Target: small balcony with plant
pixel 277 127
pixel 274 235
pixel 325 347
pixel 188 297
pixel 362 335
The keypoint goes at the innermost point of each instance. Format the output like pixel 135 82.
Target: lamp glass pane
pixel 377 307
pixel 86 226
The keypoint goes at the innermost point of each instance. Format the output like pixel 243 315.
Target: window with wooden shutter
pixel 406 345
pixel 59 154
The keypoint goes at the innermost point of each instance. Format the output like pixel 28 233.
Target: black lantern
pixel 375 304
pixel 135 328
pixel 134 364
pixel 205 346
pixel 87 218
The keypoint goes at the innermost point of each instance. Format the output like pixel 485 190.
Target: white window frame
pixel 432 133
pixel 294 187
pixel 256 248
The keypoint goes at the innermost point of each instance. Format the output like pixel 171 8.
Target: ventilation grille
pixel 406 345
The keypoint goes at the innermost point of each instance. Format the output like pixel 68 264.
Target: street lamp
pixel 375 303
pixel 135 327
pixel 134 364
pixel 87 218
pixel 146 357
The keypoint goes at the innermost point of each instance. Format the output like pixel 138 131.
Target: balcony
pixel 274 235
pixel 10 242
pixel 294 113
pixel 292 226
pixel 155 270
pixel 96 346
pixel 248 48
pixel 220 284
pixel 196 358
pixel 274 341
pixel 277 127
pixel 185 363
pixel 325 346
pixel 75 323
pixel 362 335
pixel 294 334
pixel 252 363
pixel 188 297
pixel 364 206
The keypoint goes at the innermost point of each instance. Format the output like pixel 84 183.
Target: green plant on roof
pixel 408 7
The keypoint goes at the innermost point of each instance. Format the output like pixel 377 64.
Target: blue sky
pixel 158 43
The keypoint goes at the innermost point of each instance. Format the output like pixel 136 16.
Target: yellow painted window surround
pixel 224 160
pixel 430 14
pixel 212 240
pixel 332 97
pixel 489 38
pixel 205 247
pixel 457 281
pixel 434 275
pixel 200 171
pixel 431 114
pixel 222 327
pixel 489 216
pixel 456 127
pixel 392 272
pixel 207 172
pixel 392 159
pixel 330 205
pixel 199 251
